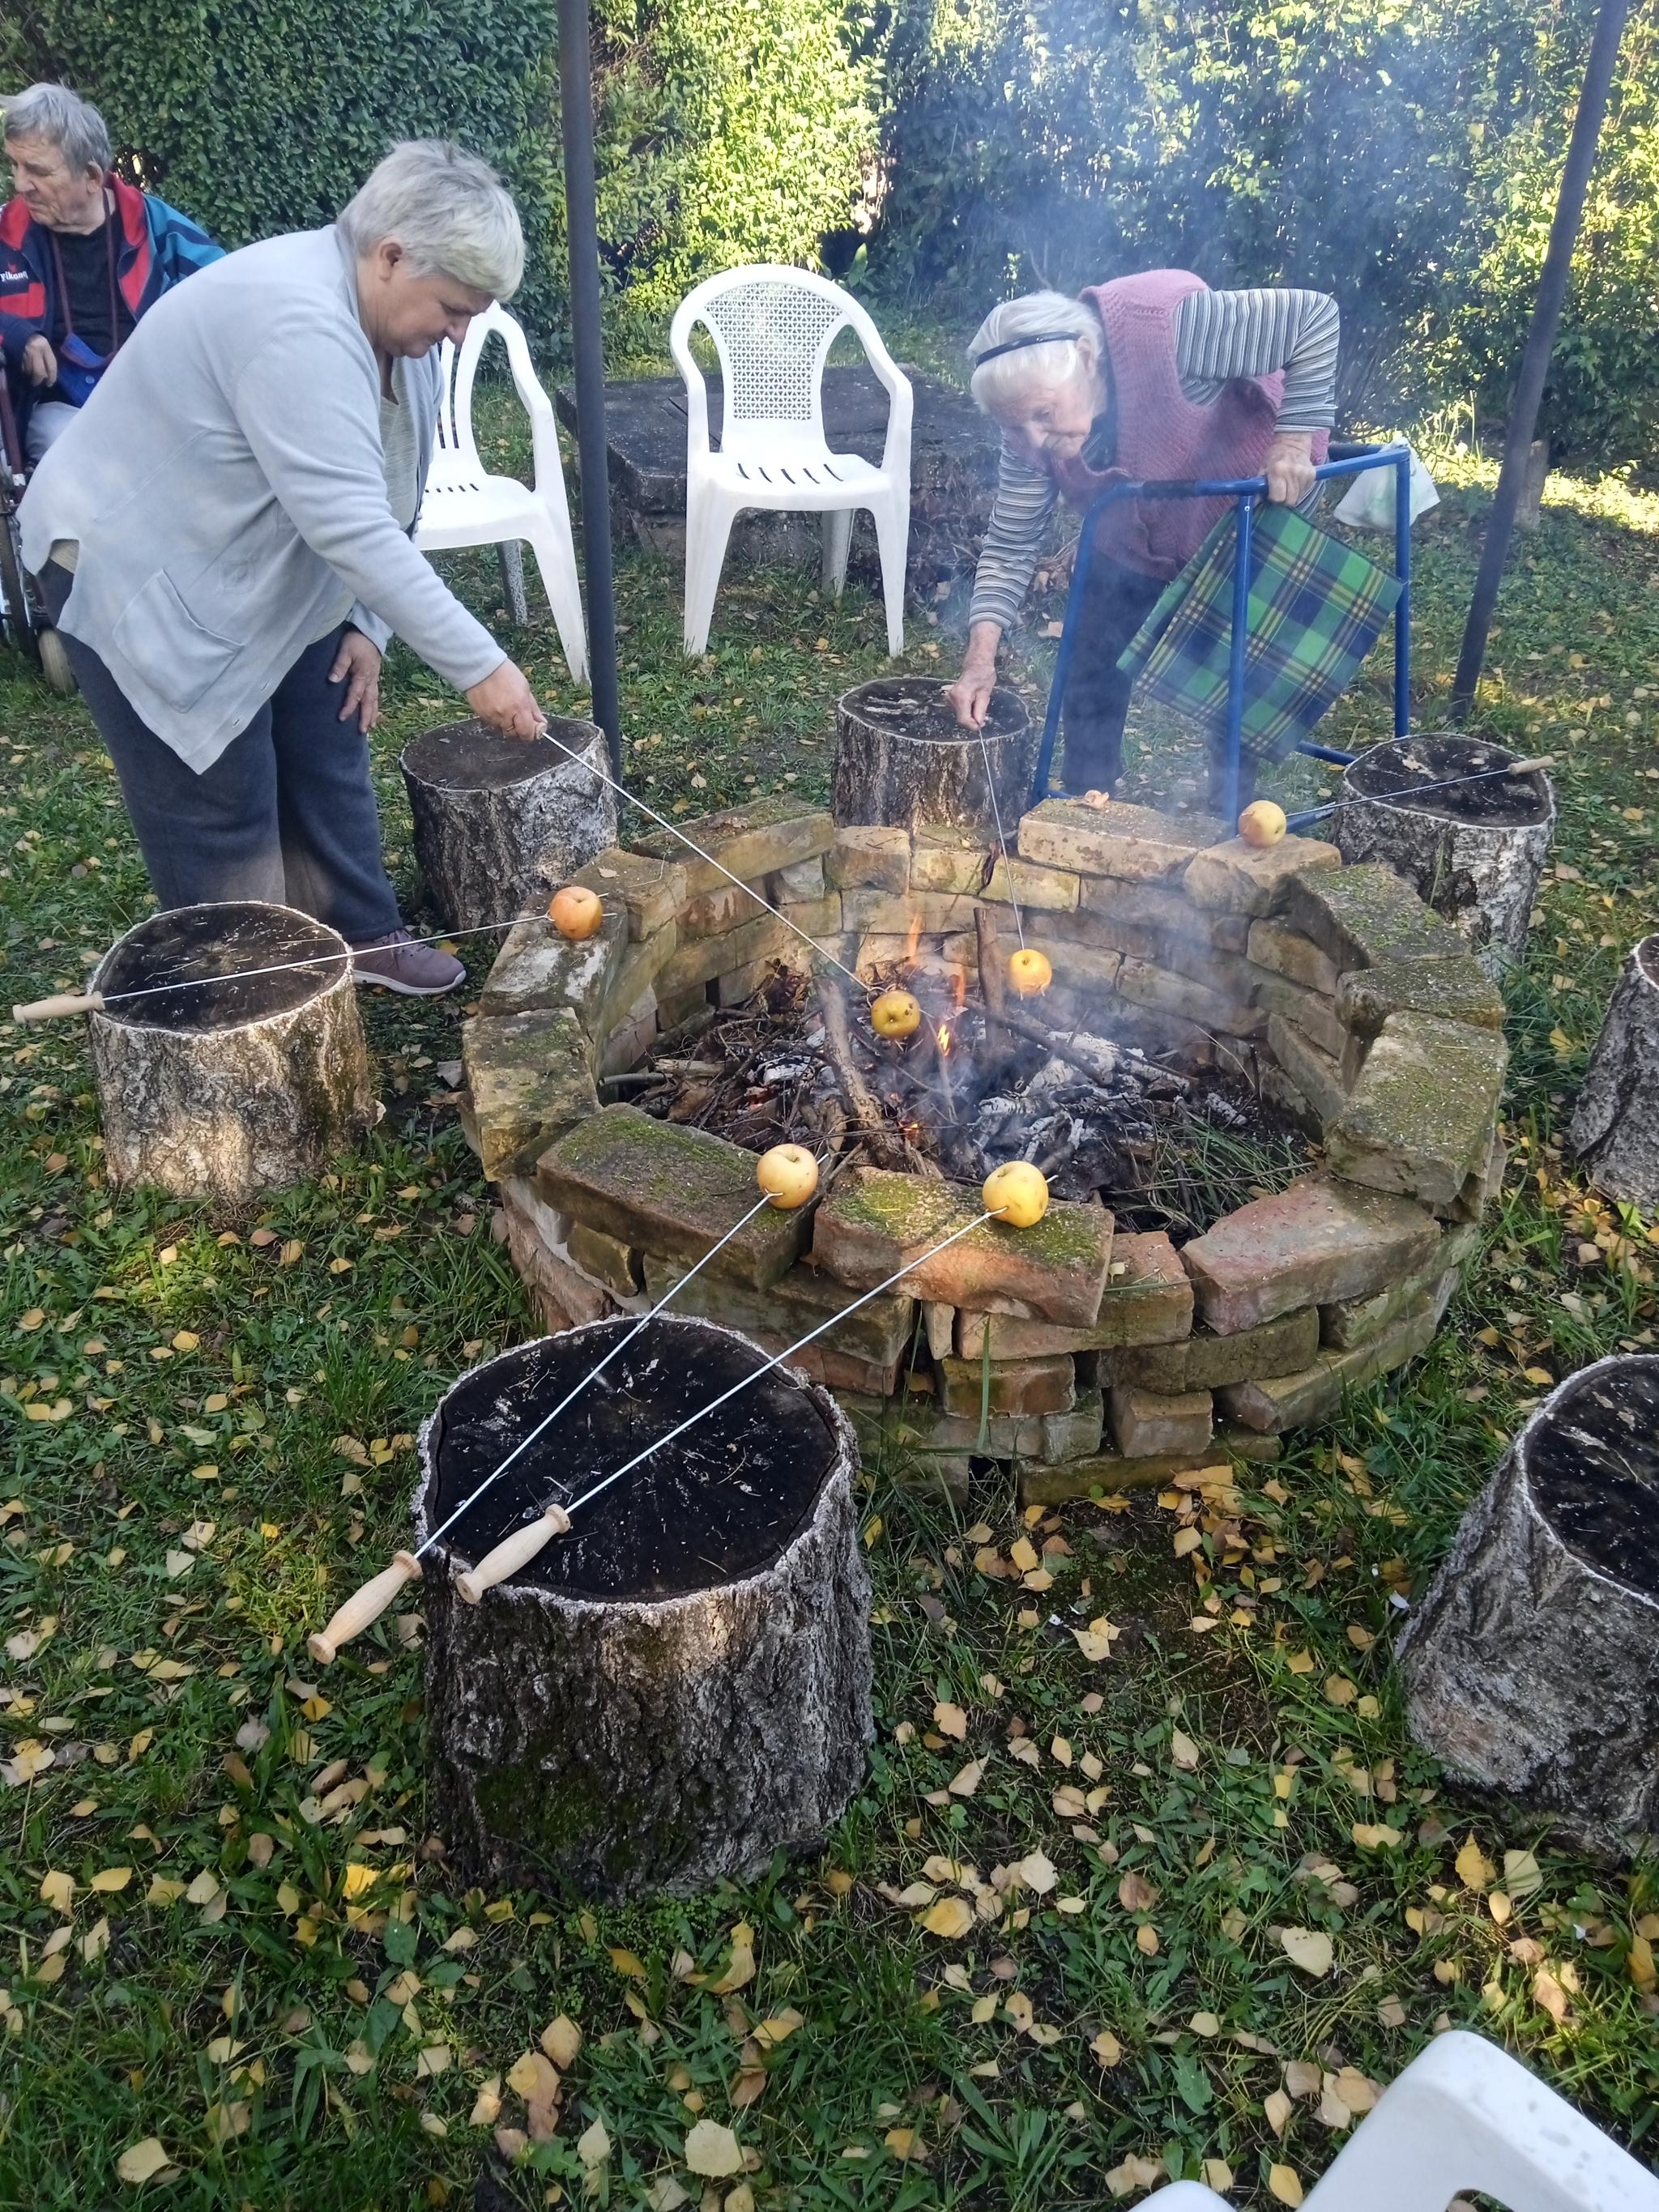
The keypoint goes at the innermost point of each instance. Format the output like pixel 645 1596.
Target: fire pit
pixel 1264 1084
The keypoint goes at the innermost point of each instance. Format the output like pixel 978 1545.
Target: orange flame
pixel 913 937
pixel 944 1038
pixel 959 988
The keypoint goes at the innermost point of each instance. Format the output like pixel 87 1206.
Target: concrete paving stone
pixel 616 1266
pixel 1457 988
pixel 1135 843
pixel 1234 877
pixel 1204 1361
pixel 1315 1242
pixel 652 892
pixel 1314 1073
pixel 531 1078
pixel 538 970
pixel 1166 992
pixel 1347 1323
pixel 1364 916
pixel 801 880
pixel 868 859
pixel 1421 1119
pixel 749 842
pixel 1284 951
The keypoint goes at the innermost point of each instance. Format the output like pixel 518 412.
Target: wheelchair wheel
pixel 15 591
pixel 55 663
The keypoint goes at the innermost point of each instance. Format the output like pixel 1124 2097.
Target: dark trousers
pixel 1116 600
pixel 286 812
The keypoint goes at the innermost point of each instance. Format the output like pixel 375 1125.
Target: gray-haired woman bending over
pixel 224 536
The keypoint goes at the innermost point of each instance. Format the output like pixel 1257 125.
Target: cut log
pixel 1475 853
pixel 1532 1666
pixel 1614 1130
pixel 500 823
pixel 225 1088
pixel 679 1688
pixel 901 757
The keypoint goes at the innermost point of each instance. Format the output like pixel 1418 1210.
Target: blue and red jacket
pixel 157 247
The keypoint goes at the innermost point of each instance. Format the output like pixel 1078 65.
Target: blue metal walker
pixel 1244 491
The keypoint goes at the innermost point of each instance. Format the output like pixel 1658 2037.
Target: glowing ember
pixel 944 1036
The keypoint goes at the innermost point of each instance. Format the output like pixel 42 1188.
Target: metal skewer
pixel 1410 790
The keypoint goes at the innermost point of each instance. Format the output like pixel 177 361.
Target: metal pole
pixel 582 239
pixel 1540 341
pixel 1234 742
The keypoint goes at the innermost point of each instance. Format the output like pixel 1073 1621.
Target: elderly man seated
pixel 82 256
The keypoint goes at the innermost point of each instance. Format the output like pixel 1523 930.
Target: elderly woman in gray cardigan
pixel 223 536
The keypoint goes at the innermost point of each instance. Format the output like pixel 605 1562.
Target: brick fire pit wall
pixel 1113 1360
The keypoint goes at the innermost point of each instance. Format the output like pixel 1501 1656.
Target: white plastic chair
pixel 1466 2118
pixel 772 328
pixel 464 505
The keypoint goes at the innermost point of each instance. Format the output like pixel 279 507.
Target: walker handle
pixel 60 1003
pixel 363 1606
pixel 513 1553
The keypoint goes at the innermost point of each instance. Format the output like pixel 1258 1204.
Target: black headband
pixel 1018 345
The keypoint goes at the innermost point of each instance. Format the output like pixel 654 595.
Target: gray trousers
pixel 48 419
pixel 286 812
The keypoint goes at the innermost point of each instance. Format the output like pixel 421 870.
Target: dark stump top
pixel 1592 1459
pixel 952 445
pixel 1497 802
pixel 720 1503
pixel 472 757
pixel 175 950
pixel 913 707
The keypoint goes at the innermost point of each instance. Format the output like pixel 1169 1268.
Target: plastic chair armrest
pixel 696 392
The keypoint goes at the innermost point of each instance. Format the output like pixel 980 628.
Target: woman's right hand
pixel 969 697
pixel 505 701
pixel 39 361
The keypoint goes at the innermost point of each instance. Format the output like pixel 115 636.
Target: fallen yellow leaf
pixel 951 1917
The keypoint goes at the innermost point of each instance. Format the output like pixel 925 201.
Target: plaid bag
pixel 1317 608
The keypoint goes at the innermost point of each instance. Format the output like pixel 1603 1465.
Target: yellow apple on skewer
pixel 895 1014
pixel 1263 824
pixel 1029 971
pixel 788 1174
pixel 1016 1193
pixel 575 912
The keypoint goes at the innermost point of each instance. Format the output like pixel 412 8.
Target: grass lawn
pixel 207 1429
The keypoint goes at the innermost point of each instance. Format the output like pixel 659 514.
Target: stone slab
pixel 1148 1299
pixel 875 1222
pixel 1284 951
pixel 749 841
pixel 802 880
pixel 1421 1118
pixel 610 1263
pixel 1314 1013
pixel 1275 1403
pixel 711 913
pixel 1148 1422
pixel 1458 989
pixel 878 1333
pixel 564 1297
pixel 917 1424
pixel 1234 877
pixel 531 1078
pixel 1135 843
pixel 1365 914
pixel 537 971
pixel 652 892
pixel 1153 906
pixel 1318 1241
pixel 765 938
pixel 892 914
pixel 1007 1386
pixel 1166 992
pixel 1110 1472
pixel 1348 1323
pixel 868 859
pixel 671 1192
pixel 1316 1074
pixel 1204 1361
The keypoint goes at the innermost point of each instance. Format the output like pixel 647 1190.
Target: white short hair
pixel 64 120
pixel 1044 328
pixel 448 210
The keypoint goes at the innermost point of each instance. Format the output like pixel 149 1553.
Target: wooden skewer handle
pixel 60 1003
pixel 363 1606
pixel 513 1553
pixel 1531 767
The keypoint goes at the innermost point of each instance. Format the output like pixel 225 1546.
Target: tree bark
pixel 498 821
pixel 1614 1130
pixel 225 1113
pixel 902 759
pixel 1475 853
pixel 622 1747
pixel 1532 1665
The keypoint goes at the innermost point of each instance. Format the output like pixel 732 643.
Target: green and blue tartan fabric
pixel 1317 608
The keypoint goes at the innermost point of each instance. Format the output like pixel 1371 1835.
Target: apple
pixel 895 1013
pixel 788 1174
pixel 1029 971
pixel 1262 824
pixel 1016 1193
pixel 575 912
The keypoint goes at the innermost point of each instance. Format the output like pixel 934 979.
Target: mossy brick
pixel 671 1192
pixel 1008 1386
pixel 748 841
pixel 1107 1474
pixel 1204 1361
pixel 1234 877
pixel 821 1363
pixel 1457 989
pixel 537 971
pixel 1317 1075
pixel 1164 992
pixel 1151 1423
pixel 1366 914
pixel 1348 1323
pixel 1421 1119
pixel 1318 1241
pixel 1135 843
pixel 1148 1299
pixel 875 1222
pixel 1313 1012
pixel 1285 951
pixel 531 1078
pixel 1274 1403
pixel 878 1333
pixel 868 858
pixel 652 892
pixel 610 1262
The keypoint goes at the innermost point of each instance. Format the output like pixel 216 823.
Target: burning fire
pixel 944 1038
pixel 913 937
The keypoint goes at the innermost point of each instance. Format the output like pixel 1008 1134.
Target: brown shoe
pixel 394 962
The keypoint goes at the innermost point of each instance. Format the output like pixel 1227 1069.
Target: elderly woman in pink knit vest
pixel 1152 376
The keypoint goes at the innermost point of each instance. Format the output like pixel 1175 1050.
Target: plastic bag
pixel 1368 503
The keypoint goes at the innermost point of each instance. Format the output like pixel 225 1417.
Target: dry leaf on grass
pixel 742 1966
pixel 713 2151
pixel 1135 1893
pixel 1474 1869
pixel 562 2039
pixel 1285 2184
pixel 951 1720
pixel 143 2162
pixel 1309 1948
pixel 952 1916
pixel 1183 1751
pixel 594 2145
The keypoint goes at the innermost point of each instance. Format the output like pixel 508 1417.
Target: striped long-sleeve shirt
pixel 1219 336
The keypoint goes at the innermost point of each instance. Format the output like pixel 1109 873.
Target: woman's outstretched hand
pixel 358 665
pixel 1288 467
pixel 969 697
pixel 505 701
